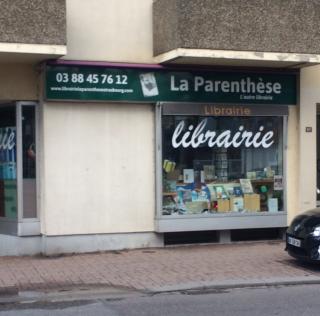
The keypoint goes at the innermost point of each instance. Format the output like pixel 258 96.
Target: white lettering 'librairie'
pixel 194 137
pixel 7 139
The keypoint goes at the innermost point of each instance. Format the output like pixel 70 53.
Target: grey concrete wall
pixel 248 25
pixel 33 21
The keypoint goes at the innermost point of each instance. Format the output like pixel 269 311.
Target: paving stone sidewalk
pixel 159 269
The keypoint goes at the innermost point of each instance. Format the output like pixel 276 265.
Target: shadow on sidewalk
pixel 313 267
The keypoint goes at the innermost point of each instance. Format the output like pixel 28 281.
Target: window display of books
pixel 205 189
pixel 215 198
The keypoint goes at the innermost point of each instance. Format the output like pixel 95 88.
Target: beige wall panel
pixel 292 170
pixel 309 97
pixel 98 168
pixel 18 82
pixel 110 30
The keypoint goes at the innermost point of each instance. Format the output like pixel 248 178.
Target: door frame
pixel 20 226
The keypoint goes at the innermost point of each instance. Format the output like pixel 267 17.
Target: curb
pixel 11 295
pixel 233 284
pixel 63 295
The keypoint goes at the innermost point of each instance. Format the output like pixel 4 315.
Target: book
pixel 223 205
pixel 278 183
pixel 188 175
pixel 273 205
pixel 220 192
pixel 228 188
pixel 246 186
pixel 229 191
pixel 237 191
pixel 204 194
pixel 251 202
pixel 260 174
pixel 168 165
pixel 236 204
pixel 251 175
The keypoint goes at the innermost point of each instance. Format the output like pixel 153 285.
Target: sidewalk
pixel 161 269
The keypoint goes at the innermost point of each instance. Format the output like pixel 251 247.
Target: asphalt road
pixel 302 300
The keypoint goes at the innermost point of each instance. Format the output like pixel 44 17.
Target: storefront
pixel 222 167
pixel 113 142
pixel 220 138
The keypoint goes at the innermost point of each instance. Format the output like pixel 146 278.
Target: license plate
pixel 294 242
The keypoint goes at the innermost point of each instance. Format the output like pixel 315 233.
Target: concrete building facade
pixel 88 156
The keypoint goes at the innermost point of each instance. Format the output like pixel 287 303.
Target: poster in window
pixel 278 183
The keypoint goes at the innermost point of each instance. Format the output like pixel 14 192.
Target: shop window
pixel 8 162
pixel 222 164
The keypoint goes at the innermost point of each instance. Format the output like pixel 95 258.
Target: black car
pixel 303 236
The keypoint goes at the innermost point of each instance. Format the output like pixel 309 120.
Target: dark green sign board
pixel 96 83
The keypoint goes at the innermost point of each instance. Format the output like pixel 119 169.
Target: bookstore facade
pixel 222 171
pixel 220 138
pixel 113 141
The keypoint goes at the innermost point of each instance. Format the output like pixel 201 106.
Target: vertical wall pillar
pixel 309 97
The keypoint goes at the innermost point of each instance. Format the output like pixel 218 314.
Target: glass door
pixel 18 185
pixel 27 118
